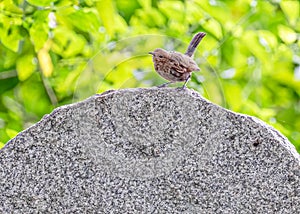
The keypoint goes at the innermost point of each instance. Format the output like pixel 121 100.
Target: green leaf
pixel 287 34
pixel 251 41
pixel 67 43
pixel 25 66
pixel 9 58
pixel 269 37
pixel 34 97
pixel 11 133
pixel 1 145
pixel 291 10
pixel 172 9
pixel 39 30
pixel 113 23
pixel 85 20
pixel 42 2
pixel 214 27
pixel 128 8
pixel 107 12
pixel 11 6
pixel 149 18
pixel 8 84
pixel 45 62
pixel 11 36
pixel 220 11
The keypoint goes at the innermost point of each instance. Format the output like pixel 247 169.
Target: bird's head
pixel 159 54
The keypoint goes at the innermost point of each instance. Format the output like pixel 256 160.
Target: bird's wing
pixel 179 62
pixel 182 63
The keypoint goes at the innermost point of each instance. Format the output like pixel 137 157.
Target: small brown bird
pixel 175 66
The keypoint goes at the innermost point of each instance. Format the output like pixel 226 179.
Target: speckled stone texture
pixel 149 151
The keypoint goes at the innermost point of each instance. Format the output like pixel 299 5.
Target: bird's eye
pixel 160 56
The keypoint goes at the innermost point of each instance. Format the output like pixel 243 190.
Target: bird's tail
pixel 194 43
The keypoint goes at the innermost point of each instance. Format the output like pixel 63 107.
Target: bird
pixel 174 66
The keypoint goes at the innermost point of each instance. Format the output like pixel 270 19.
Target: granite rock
pixel 149 151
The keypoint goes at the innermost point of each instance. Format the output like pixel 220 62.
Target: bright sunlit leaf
pixel 25 66
pixel 42 2
pixel 1 145
pixel 291 10
pixel 214 27
pixel 45 61
pixel 269 37
pixel 11 133
pixel 287 34
pixel 11 38
pixel 10 5
pixel 39 30
pixel 106 12
pixel 173 9
pixel 85 20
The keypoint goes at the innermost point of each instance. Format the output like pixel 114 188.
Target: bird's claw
pixel 182 87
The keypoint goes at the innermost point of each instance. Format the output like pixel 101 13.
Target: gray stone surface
pixel 149 151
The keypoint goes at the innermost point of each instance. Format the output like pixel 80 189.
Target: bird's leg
pixel 187 79
pixel 164 85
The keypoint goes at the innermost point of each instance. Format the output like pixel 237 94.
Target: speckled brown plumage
pixel 175 66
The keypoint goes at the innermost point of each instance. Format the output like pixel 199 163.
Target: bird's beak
pixel 151 53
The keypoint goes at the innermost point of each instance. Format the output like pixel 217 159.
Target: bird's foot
pixel 182 87
pixel 163 85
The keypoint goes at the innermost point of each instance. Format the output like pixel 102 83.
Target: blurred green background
pixel 59 52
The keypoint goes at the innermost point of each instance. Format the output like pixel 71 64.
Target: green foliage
pixel 59 52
